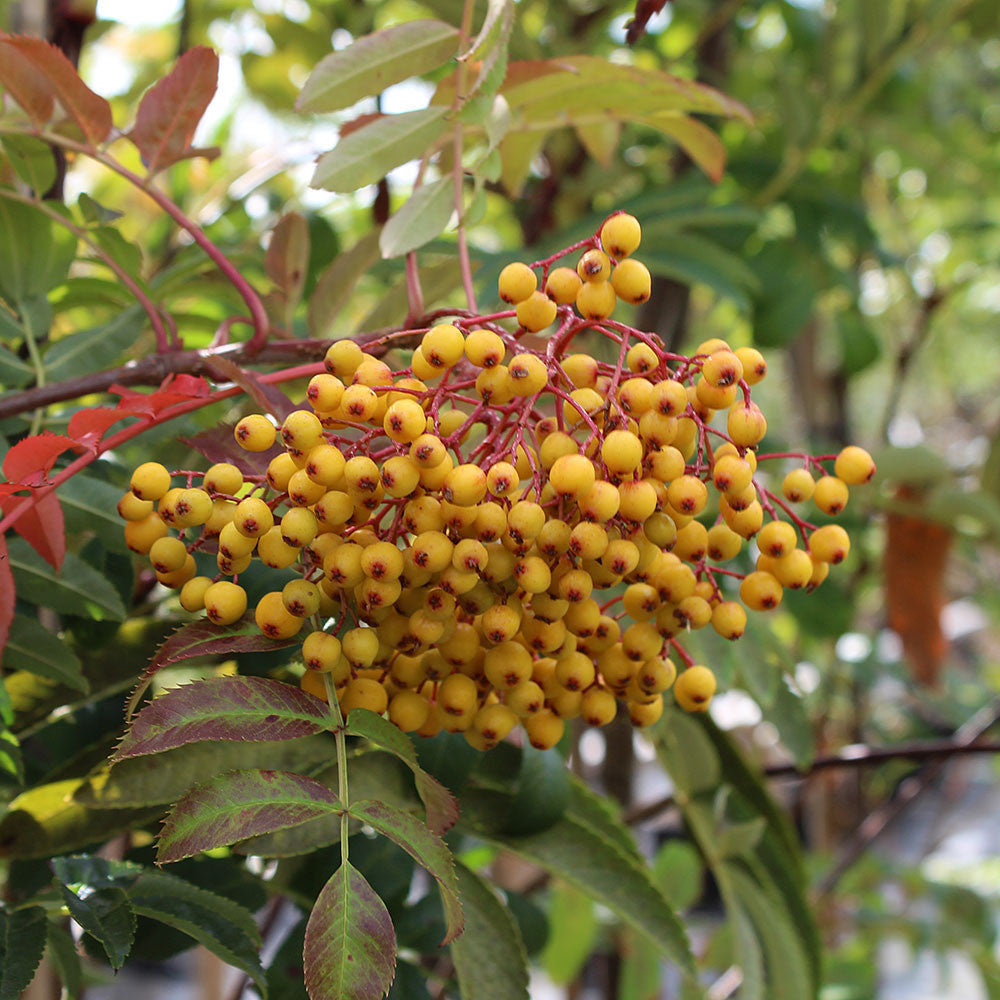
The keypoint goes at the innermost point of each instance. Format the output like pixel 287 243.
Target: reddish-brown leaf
pixel 288 254
pixel 204 638
pixel 241 709
pixel 916 558
pixel 87 427
pixel 89 110
pixel 268 397
pixel 218 444
pixel 24 83
pixel 7 594
pixel 41 526
pixel 171 110
pixel 28 462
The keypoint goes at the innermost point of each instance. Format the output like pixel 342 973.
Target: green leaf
pixel 78 589
pixel 739 839
pixel 93 350
pixel 425 847
pixel 350 944
pixel 517 152
pixel 32 160
pixel 106 914
pixel 376 61
pixel 788 975
pixel 573 933
pixel 166 776
pixel 422 218
pixel 442 810
pixel 917 466
pixel 701 143
pixel 601 869
pixel 336 283
pixel 859 344
pixel 697 259
pixel 222 926
pixel 22 944
pixel 788 293
pixel 790 717
pixel 367 154
pixel 65 960
pixel 489 956
pixel 45 820
pixel 679 872
pixel 438 279
pixel 90 504
pixel 34 648
pixel 640 973
pixel 691 760
pixel 251 709
pixel 600 139
pixel 241 804
pixel 541 794
pixel 600 815
pixel 14 373
pixel 35 253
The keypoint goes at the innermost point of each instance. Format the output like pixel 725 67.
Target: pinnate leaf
pixel 224 927
pixel 173 390
pixel 489 956
pixel 240 804
pixel 28 462
pixel 422 218
pixel 368 154
pixel 22 944
pixel 442 809
pixel 336 283
pixel 90 111
pixel 171 110
pixel 425 847
pixel 89 505
pixel 350 943
pixel 106 915
pixel 87 427
pixel 246 709
pixel 370 64
pixel 42 526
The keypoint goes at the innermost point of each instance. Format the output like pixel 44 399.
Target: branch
pixel 847 757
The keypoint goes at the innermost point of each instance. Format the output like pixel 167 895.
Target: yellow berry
pixel 594 266
pixel 321 651
pixel 255 433
pixel 343 358
pixel 363 692
pixel 596 300
pixel 167 554
pixel 192 596
pixel 830 494
pixel 829 544
pixel 442 345
pixel 754 365
pixel 760 591
pixel 854 466
pixel 528 375
pixel 562 285
pixel 620 235
pixel 517 282
pixel 694 688
pixel 536 312
pixel 225 602
pixel 150 481
pixel 631 282
pixel 798 485
pixel 484 348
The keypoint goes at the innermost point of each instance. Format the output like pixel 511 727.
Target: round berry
pixel 517 282
pixel 442 346
pixel 255 433
pixel 536 312
pixel 694 688
pixel 631 282
pixel 562 285
pixel 854 466
pixel 225 602
pixel 150 481
pixel 620 235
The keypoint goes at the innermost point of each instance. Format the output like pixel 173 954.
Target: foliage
pixel 119 336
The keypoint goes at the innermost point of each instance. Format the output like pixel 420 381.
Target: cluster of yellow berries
pixel 499 535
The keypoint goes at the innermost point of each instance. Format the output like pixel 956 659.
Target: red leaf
pixel 173 390
pixel 171 109
pixel 42 527
pixel 268 397
pixel 7 594
pixel 89 110
pixel 87 427
pixel 244 709
pixel 29 461
pixel 204 638
pixel 24 84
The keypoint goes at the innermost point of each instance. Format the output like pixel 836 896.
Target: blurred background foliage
pixel 854 236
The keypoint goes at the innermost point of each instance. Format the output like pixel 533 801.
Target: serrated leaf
pixel 240 804
pixel 166 776
pixel 105 914
pixel 572 852
pixel 366 155
pixel 422 218
pixel 90 504
pixel 34 648
pixel 88 110
pixel 28 461
pixel 222 926
pixel 350 943
pixel 425 847
pixel 22 944
pixel 337 282
pixel 376 61
pixel 35 253
pixel 171 109
pixel 32 160
pixel 442 809
pixel 573 933
pixel 77 589
pixel 44 821
pixel 251 709
pixel 42 526
pixel 489 956
pixel 92 350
